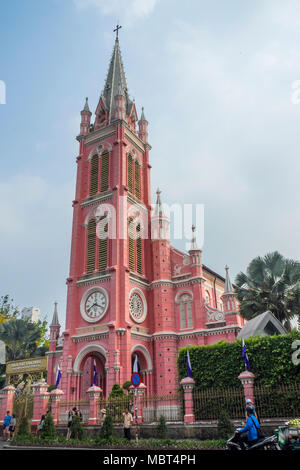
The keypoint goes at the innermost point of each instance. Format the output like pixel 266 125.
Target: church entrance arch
pixel 141 359
pixel 89 361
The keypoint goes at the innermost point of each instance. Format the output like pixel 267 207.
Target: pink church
pixel 129 295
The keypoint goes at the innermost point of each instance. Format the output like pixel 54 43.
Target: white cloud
pixel 126 11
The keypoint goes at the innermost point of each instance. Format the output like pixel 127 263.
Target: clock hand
pixel 91 307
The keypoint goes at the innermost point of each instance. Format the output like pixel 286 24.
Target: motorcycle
pixel 266 443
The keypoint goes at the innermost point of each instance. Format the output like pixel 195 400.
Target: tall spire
pixel 86 106
pixel 115 82
pixel 228 285
pixel 55 320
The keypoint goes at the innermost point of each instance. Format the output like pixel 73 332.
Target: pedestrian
pixel 252 428
pixel 127 424
pixel 249 403
pixel 70 417
pixel 12 426
pixel 103 416
pixel 6 424
pixel 40 426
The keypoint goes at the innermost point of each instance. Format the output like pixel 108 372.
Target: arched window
pixel 137 179
pixel 130 173
pixel 207 297
pixel 102 246
pixel 104 172
pixel 135 247
pixel 94 175
pixel 139 251
pixel 185 309
pixel 91 246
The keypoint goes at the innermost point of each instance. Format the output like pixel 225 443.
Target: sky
pixel 218 81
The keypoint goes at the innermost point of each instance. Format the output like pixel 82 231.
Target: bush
pixel 218 365
pixel 107 428
pixel 116 391
pixel 127 385
pixel 77 431
pixel 48 432
pixel 24 429
pixel 161 429
pixel 225 426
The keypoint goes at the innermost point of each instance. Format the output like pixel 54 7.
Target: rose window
pixel 136 306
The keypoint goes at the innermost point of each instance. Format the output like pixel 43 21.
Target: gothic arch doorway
pixel 141 359
pixel 88 363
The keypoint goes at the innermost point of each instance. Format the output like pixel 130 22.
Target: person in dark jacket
pixel 251 427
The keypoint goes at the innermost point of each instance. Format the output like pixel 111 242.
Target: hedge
pixel 219 365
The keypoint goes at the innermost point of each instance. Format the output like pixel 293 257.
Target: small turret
pixel 85 119
pixel 143 128
pixel 159 222
pixel 228 297
pixel 54 329
pixel 195 255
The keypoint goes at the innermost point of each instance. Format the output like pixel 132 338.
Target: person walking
pixel 102 416
pixel 6 424
pixel 40 426
pixel 70 418
pixel 12 426
pixel 128 419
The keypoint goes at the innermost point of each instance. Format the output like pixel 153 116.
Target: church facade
pixel 130 296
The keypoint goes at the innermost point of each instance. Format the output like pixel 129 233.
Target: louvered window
pixel 94 175
pixel 104 171
pixel 139 263
pixel 130 173
pixel 137 180
pixel 91 246
pixel 103 243
pixel 131 243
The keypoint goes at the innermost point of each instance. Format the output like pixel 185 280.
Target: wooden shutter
pixel 103 243
pixel 189 315
pixel 130 173
pixel 104 171
pixel 182 315
pixel 94 175
pixel 137 180
pixel 131 244
pixel 91 246
pixel 139 253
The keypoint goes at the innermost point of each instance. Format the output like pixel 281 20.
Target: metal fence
pixel 282 401
pixel 209 403
pixel 66 406
pixel 116 406
pixel 171 407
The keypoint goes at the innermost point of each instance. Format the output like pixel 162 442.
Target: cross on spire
pixel 117 30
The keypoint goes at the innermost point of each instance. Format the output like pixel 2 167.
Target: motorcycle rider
pixel 252 427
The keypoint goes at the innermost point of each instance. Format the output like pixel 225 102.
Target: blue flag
pixel 245 356
pixel 189 367
pixel 95 373
pixel 58 376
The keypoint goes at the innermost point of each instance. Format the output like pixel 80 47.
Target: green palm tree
pixel 21 338
pixel 272 283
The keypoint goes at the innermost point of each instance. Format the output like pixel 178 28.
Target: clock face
pixel 94 304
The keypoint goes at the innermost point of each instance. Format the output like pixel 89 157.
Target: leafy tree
pixel 116 391
pixel 21 338
pixel 7 310
pixel 161 429
pixel 77 431
pixel 270 283
pixel 48 431
pixel 24 429
pixel 126 386
pixel 225 426
pixel 107 428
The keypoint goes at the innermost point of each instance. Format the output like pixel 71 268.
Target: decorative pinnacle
pixel 194 245
pixel 86 106
pixel 228 285
pixel 55 315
